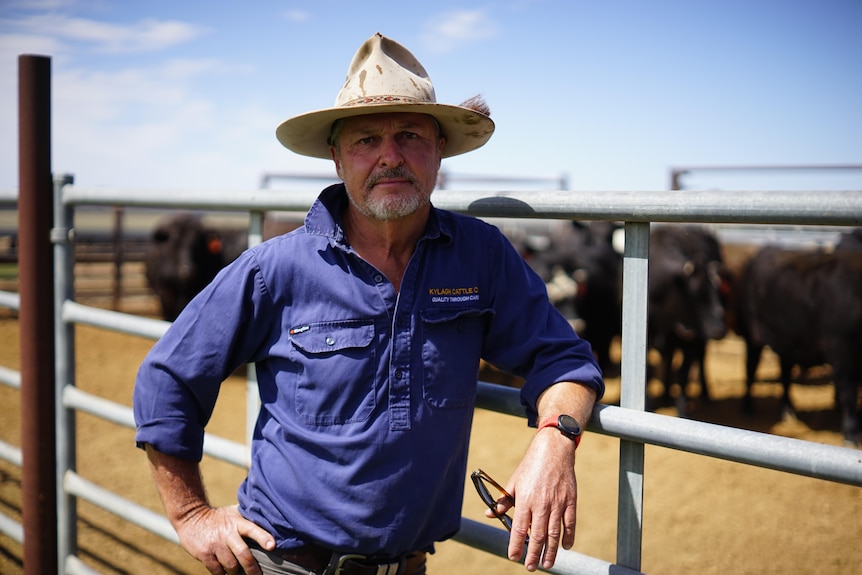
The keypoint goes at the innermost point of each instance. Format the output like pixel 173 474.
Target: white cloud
pixel 144 36
pixel 11 45
pixel 132 92
pixel 38 4
pixel 297 15
pixel 158 127
pixel 452 30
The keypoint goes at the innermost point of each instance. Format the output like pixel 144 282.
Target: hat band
pixel 383 100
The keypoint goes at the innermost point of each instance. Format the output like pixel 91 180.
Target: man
pixel 366 326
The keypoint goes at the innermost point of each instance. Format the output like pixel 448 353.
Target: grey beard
pixel 392 208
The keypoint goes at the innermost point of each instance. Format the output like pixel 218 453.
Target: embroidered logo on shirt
pixel 296 330
pixel 454 295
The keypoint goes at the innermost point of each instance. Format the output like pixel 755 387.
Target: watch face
pixel 569 425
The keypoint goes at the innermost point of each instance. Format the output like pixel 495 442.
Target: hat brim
pixel 308 134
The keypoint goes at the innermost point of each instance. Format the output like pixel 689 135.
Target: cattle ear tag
pixel 618 241
pixel 214 244
pixel 688 268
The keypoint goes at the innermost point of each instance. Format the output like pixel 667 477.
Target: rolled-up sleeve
pixel 178 382
pixel 530 337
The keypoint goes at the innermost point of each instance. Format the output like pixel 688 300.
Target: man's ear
pixel 334 154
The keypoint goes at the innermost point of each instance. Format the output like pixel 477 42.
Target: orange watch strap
pixel 553 421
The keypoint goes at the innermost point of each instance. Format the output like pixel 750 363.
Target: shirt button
pixel 330 340
pixel 378 278
pixel 398 373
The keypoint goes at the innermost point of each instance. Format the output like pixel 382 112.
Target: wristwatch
pixel 567 425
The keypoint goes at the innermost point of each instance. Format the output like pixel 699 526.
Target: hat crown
pixel 383 71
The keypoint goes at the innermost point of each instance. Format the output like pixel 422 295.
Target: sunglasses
pixel 490 491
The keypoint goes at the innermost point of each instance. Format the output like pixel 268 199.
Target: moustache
pixel 388 174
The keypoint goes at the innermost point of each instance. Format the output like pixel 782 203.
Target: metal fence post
pixel 36 315
pixel 633 392
pixel 62 236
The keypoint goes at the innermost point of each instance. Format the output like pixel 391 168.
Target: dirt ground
pixel 700 515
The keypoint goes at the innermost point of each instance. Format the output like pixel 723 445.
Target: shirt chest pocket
pixel 335 377
pixel 451 347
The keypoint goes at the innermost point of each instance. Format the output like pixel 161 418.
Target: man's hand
pixel 544 484
pixel 546 492
pixel 212 535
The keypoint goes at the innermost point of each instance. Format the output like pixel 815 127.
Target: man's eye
pixel 365 141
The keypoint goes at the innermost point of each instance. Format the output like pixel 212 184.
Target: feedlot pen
pixel 629 421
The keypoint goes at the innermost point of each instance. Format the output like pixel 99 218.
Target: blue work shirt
pixel 367 395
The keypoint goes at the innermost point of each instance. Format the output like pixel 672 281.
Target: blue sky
pixel 611 94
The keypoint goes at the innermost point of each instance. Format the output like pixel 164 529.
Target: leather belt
pixel 324 561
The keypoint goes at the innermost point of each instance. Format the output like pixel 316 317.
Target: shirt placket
pixel 400 367
pixel 400 347
pixel 399 370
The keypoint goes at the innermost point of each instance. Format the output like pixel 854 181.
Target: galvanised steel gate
pixel 629 422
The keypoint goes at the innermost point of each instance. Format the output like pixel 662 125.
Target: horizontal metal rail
pixel 215 446
pixel 128 324
pixel 11 453
pixel 11 528
pixel 496 541
pixel 817 460
pixel 10 377
pixel 74 566
pixel 841 208
pixel 10 300
pixel 830 462
pixel 120 506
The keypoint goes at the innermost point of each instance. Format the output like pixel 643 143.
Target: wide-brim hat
pixel 385 77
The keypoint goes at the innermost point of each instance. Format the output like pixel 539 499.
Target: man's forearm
pixel 567 397
pixel 179 484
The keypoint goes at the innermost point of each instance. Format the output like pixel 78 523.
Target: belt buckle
pixel 339 567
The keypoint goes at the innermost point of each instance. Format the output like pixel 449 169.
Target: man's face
pixel 388 162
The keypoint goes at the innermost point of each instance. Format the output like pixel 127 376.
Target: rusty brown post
pixel 36 320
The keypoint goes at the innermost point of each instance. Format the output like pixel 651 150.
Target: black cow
pixel 184 255
pixel 688 287
pixel 582 266
pixel 851 240
pixel 807 307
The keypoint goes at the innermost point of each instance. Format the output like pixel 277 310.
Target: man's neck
pixel 387 245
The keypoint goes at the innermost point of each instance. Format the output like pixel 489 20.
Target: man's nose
pixel 390 153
